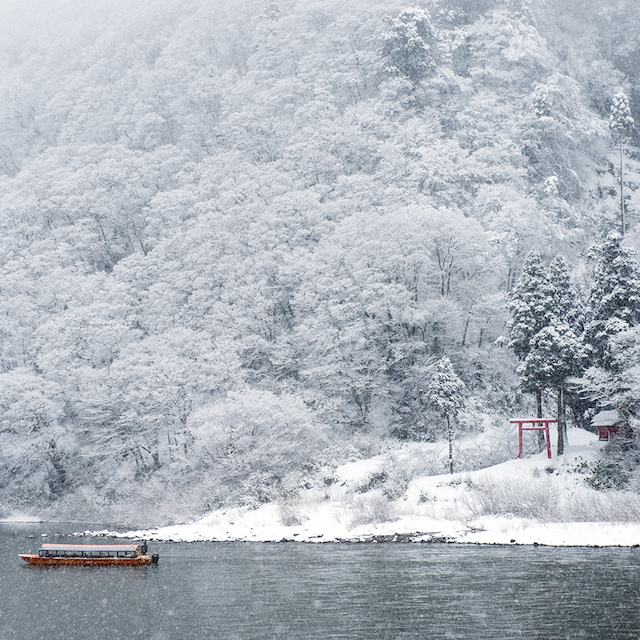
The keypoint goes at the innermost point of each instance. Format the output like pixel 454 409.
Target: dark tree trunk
pixel 56 461
pixel 450 446
pixel 622 224
pixel 541 440
pixel 562 421
pixel 464 333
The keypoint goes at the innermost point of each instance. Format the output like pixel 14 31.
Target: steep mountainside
pixel 236 236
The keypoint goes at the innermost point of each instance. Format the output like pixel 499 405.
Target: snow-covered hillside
pixel 529 501
pixel 239 237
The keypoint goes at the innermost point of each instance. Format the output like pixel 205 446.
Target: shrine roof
pixel 607 418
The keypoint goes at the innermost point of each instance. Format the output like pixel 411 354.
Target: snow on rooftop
pixel 605 418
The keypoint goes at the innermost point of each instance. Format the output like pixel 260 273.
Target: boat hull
pixel 34 559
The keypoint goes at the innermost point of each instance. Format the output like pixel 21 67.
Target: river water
pixel 247 591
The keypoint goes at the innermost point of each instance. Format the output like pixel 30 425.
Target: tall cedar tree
pixel 444 394
pixel 571 353
pixel 614 300
pixel 556 352
pixel 620 124
pixel 532 306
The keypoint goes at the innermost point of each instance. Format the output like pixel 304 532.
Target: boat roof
pixel 90 547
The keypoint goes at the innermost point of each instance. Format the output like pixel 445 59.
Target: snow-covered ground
pixel 528 501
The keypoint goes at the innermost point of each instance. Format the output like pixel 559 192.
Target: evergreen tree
pixel 532 306
pixel 540 102
pixel 408 45
pixel 570 312
pixel 620 120
pixel 566 304
pixel 445 396
pixel 619 463
pixel 556 355
pixel 614 300
pixel 611 332
pixel 620 124
pixel 545 331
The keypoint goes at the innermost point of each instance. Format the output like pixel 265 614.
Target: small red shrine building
pixel 608 423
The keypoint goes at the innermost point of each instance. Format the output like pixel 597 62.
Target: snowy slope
pixel 528 501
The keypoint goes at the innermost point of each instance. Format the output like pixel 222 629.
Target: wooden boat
pixel 91 554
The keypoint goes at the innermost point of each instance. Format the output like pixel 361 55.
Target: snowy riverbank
pixel 528 501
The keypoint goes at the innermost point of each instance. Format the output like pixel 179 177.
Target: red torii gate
pixel 534 422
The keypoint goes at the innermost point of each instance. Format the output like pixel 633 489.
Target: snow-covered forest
pixel 240 240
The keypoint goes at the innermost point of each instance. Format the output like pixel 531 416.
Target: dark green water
pixel 246 591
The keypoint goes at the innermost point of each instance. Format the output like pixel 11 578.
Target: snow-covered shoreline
pixel 497 532
pixel 444 508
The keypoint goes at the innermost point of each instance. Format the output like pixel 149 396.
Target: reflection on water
pixel 249 591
